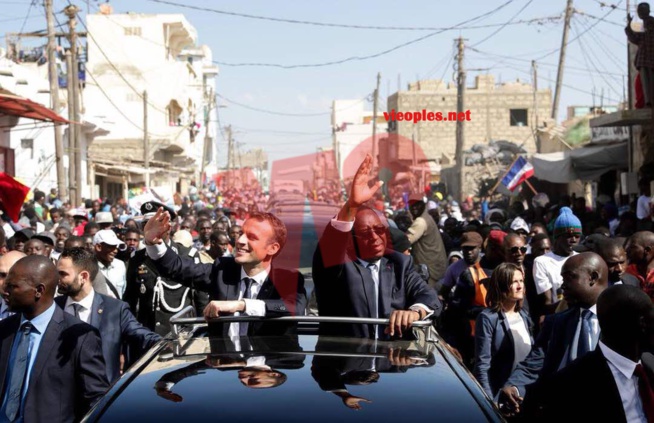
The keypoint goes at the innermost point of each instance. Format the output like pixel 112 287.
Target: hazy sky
pixel 596 60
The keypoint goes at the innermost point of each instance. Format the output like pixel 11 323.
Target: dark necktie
pixel 248 288
pixel 645 391
pixel 18 373
pixel 584 344
pixel 76 309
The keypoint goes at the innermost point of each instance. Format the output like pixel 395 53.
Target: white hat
pixel 104 217
pixel 519 223
pixel 107 236
pixel 183 237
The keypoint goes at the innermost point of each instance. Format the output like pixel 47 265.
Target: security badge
pixel 148 206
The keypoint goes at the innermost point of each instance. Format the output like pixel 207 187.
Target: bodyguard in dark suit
pixel 564 336
pixel 357 275
pixel 609 384
pixel 51 364
pixel 247 283
pixel 116 323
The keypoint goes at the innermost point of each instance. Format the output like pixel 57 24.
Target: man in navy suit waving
pixel 118 327
pixel 356 273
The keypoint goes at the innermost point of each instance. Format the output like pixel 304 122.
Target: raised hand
pixel 157 227
pixel 361 191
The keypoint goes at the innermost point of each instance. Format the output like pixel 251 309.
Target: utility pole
pixel 72 187
pixel 460 105
pixel 374 122
pixel 54 102
pixel 534 83
pixel 230 152
pixel 146 140
pixel 71 11
pixel 559 74
pixel 209 103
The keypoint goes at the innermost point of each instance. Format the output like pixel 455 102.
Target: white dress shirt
pixel 116 274
pixel 622 370
pixel 253 307
pixel 594 324
pixel 86 307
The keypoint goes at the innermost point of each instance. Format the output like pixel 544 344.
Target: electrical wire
pixel 325 24
pixel 491 35
pixel 29 9
pixel 367 57
pixel 273 112
pixel 579 35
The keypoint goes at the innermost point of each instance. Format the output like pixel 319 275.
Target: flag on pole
pixel 12 195
pixel 520 171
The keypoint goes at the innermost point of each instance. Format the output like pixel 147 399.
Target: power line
pixel 137 92
pixel 579 35
pixel 504 25
pixel 273 112
pixel 585 51
pixel 29 9
pixel 327 24
pixel 371 56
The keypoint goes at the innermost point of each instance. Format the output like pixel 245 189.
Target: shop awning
pixel 585 163
pixel 18 106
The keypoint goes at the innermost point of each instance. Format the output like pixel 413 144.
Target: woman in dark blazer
pixel 503 331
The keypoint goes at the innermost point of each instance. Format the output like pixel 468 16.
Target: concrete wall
pixel 488 103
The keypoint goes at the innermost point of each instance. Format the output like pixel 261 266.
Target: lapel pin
pixel 99 311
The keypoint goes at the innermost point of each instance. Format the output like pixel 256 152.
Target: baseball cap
pixel 107 236
pixel 471 239
pixel 46 237
pixel 104 217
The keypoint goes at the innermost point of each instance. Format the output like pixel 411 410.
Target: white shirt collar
pixel 623 364
pixel 259 278
pixel 366 263
pixel 87 302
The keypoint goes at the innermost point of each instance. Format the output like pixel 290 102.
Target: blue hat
pixel 566 223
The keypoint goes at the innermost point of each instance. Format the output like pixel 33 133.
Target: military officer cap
pixel 149 208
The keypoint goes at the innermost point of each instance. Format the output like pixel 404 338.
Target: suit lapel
pixel 96 311
pixel 570 329
pixel 368 287
pixel 385 286
pixel 48 343
pixel 5 348
pixel 231 279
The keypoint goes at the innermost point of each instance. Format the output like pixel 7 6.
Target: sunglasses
pixel 378 230
pixel 514 250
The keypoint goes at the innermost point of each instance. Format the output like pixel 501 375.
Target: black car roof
pixel 198 376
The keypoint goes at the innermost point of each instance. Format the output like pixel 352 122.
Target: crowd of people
pixel 528 298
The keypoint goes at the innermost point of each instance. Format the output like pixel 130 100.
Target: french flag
pixel 520 171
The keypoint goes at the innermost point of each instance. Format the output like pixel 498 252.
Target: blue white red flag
pixel 520 171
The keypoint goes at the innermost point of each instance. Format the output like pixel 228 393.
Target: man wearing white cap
pixel 106 244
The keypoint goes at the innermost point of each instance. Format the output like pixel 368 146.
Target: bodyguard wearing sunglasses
pixel 357 274
pixel 514 249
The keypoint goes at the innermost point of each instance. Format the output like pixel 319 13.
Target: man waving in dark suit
pixel 41 336
pixel 118 327
pixel 246 284
pixel 356 274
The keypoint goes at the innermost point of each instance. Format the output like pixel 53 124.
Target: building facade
pixel 147 71
pixel 507 111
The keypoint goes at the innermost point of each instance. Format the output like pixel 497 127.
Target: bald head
pixel 585 276
pixel 640 248
pixel 38 270
pixel 30 286
pixel 6 262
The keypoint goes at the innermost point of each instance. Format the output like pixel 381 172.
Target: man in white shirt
pixel 6 261
pixel 547 268
pixel 106 245
pixel 610 383
pixel 643 210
